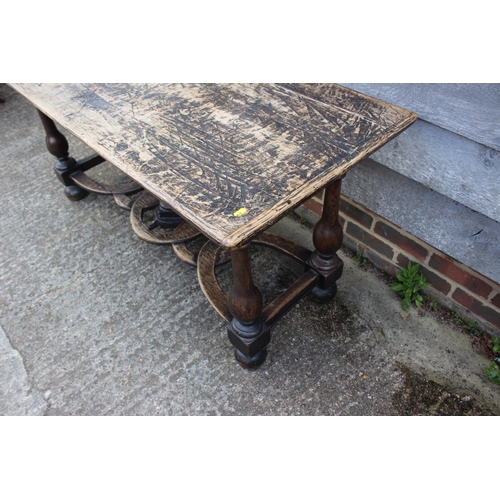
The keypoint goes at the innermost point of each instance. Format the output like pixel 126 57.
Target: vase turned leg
pixel 247 331
pixel 57 146
pixel 327 239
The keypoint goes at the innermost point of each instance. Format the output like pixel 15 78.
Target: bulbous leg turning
pixel 327 239
pixel 57 146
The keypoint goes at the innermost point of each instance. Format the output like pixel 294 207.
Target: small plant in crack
pixel 495 342
pixel 410 282
pixel 492 371
pixel 471 327
pixel 431 303
pixel 360 259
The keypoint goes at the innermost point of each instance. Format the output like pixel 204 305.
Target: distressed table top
pixel 230 158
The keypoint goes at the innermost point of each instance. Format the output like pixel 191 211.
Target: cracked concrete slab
pixel 17 396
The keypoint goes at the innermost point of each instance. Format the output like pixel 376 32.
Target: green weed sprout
pixel 492 371
pixel 410 282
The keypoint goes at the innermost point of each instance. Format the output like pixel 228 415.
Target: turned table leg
pixel 57 146
pixel 327 239
pixel 247 330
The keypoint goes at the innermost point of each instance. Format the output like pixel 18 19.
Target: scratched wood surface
pixel 230 158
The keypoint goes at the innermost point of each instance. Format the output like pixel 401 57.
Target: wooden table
pixel 227 161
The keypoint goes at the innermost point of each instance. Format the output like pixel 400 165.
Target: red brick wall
pixel 390 248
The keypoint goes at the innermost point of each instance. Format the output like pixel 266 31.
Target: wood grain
pixel 471 110
pixel 211 151
pixel 462 170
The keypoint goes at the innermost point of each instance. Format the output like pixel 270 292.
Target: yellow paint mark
pixel 240 212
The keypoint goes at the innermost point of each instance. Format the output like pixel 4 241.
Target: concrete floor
pixel 95 321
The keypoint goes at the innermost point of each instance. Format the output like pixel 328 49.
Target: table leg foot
pixel 250 363
pixel 324 294
pixel 75 193
pixel 247 331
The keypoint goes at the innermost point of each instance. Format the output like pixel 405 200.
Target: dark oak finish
pixel 290 297
pixel 165 217
pixel 208 281
pixel 211 255
pixel 72 173
pixel 244 289
pixel 58 146
pixel 327 239
pixel 226 161
pixel 247 330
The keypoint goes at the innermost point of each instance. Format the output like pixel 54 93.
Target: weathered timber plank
pixel 342 98
pixel 213 151
pixel 471 110
pixel 446 153
pixel 463 170
pixel 465 235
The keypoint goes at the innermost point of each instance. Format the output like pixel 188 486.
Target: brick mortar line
pixel 426 262
pixel 464 313
pixel 375 219
pixel 467 269
pixel 453 284
pixel 378 218
pixel 371 233
pixel 397 249
pixel 430 249
pixel 363 209
pixel 446 299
